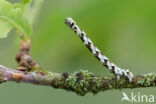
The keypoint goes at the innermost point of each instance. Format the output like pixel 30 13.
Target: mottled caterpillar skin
pixel 118 72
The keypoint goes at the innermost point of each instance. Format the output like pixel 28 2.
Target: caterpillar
pixel 118 72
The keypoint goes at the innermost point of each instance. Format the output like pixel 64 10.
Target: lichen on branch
pixel 80 82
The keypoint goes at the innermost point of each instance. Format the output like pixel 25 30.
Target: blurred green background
pixel 124 30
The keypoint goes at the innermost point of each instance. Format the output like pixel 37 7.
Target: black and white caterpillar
pixel 118 72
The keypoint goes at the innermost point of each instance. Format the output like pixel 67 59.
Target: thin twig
pixel 23 58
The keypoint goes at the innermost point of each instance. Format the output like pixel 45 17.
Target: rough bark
pixel 80 82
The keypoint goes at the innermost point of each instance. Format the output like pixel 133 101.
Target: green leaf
pixel 33 9
pixel 5 27
pixel 25 1
pixel 11 15
pixel 22 4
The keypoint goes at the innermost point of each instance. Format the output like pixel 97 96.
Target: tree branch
pixel 80 82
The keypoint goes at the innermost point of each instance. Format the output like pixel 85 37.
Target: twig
pixel 23 58
pixel 80 82
pixel 118 72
